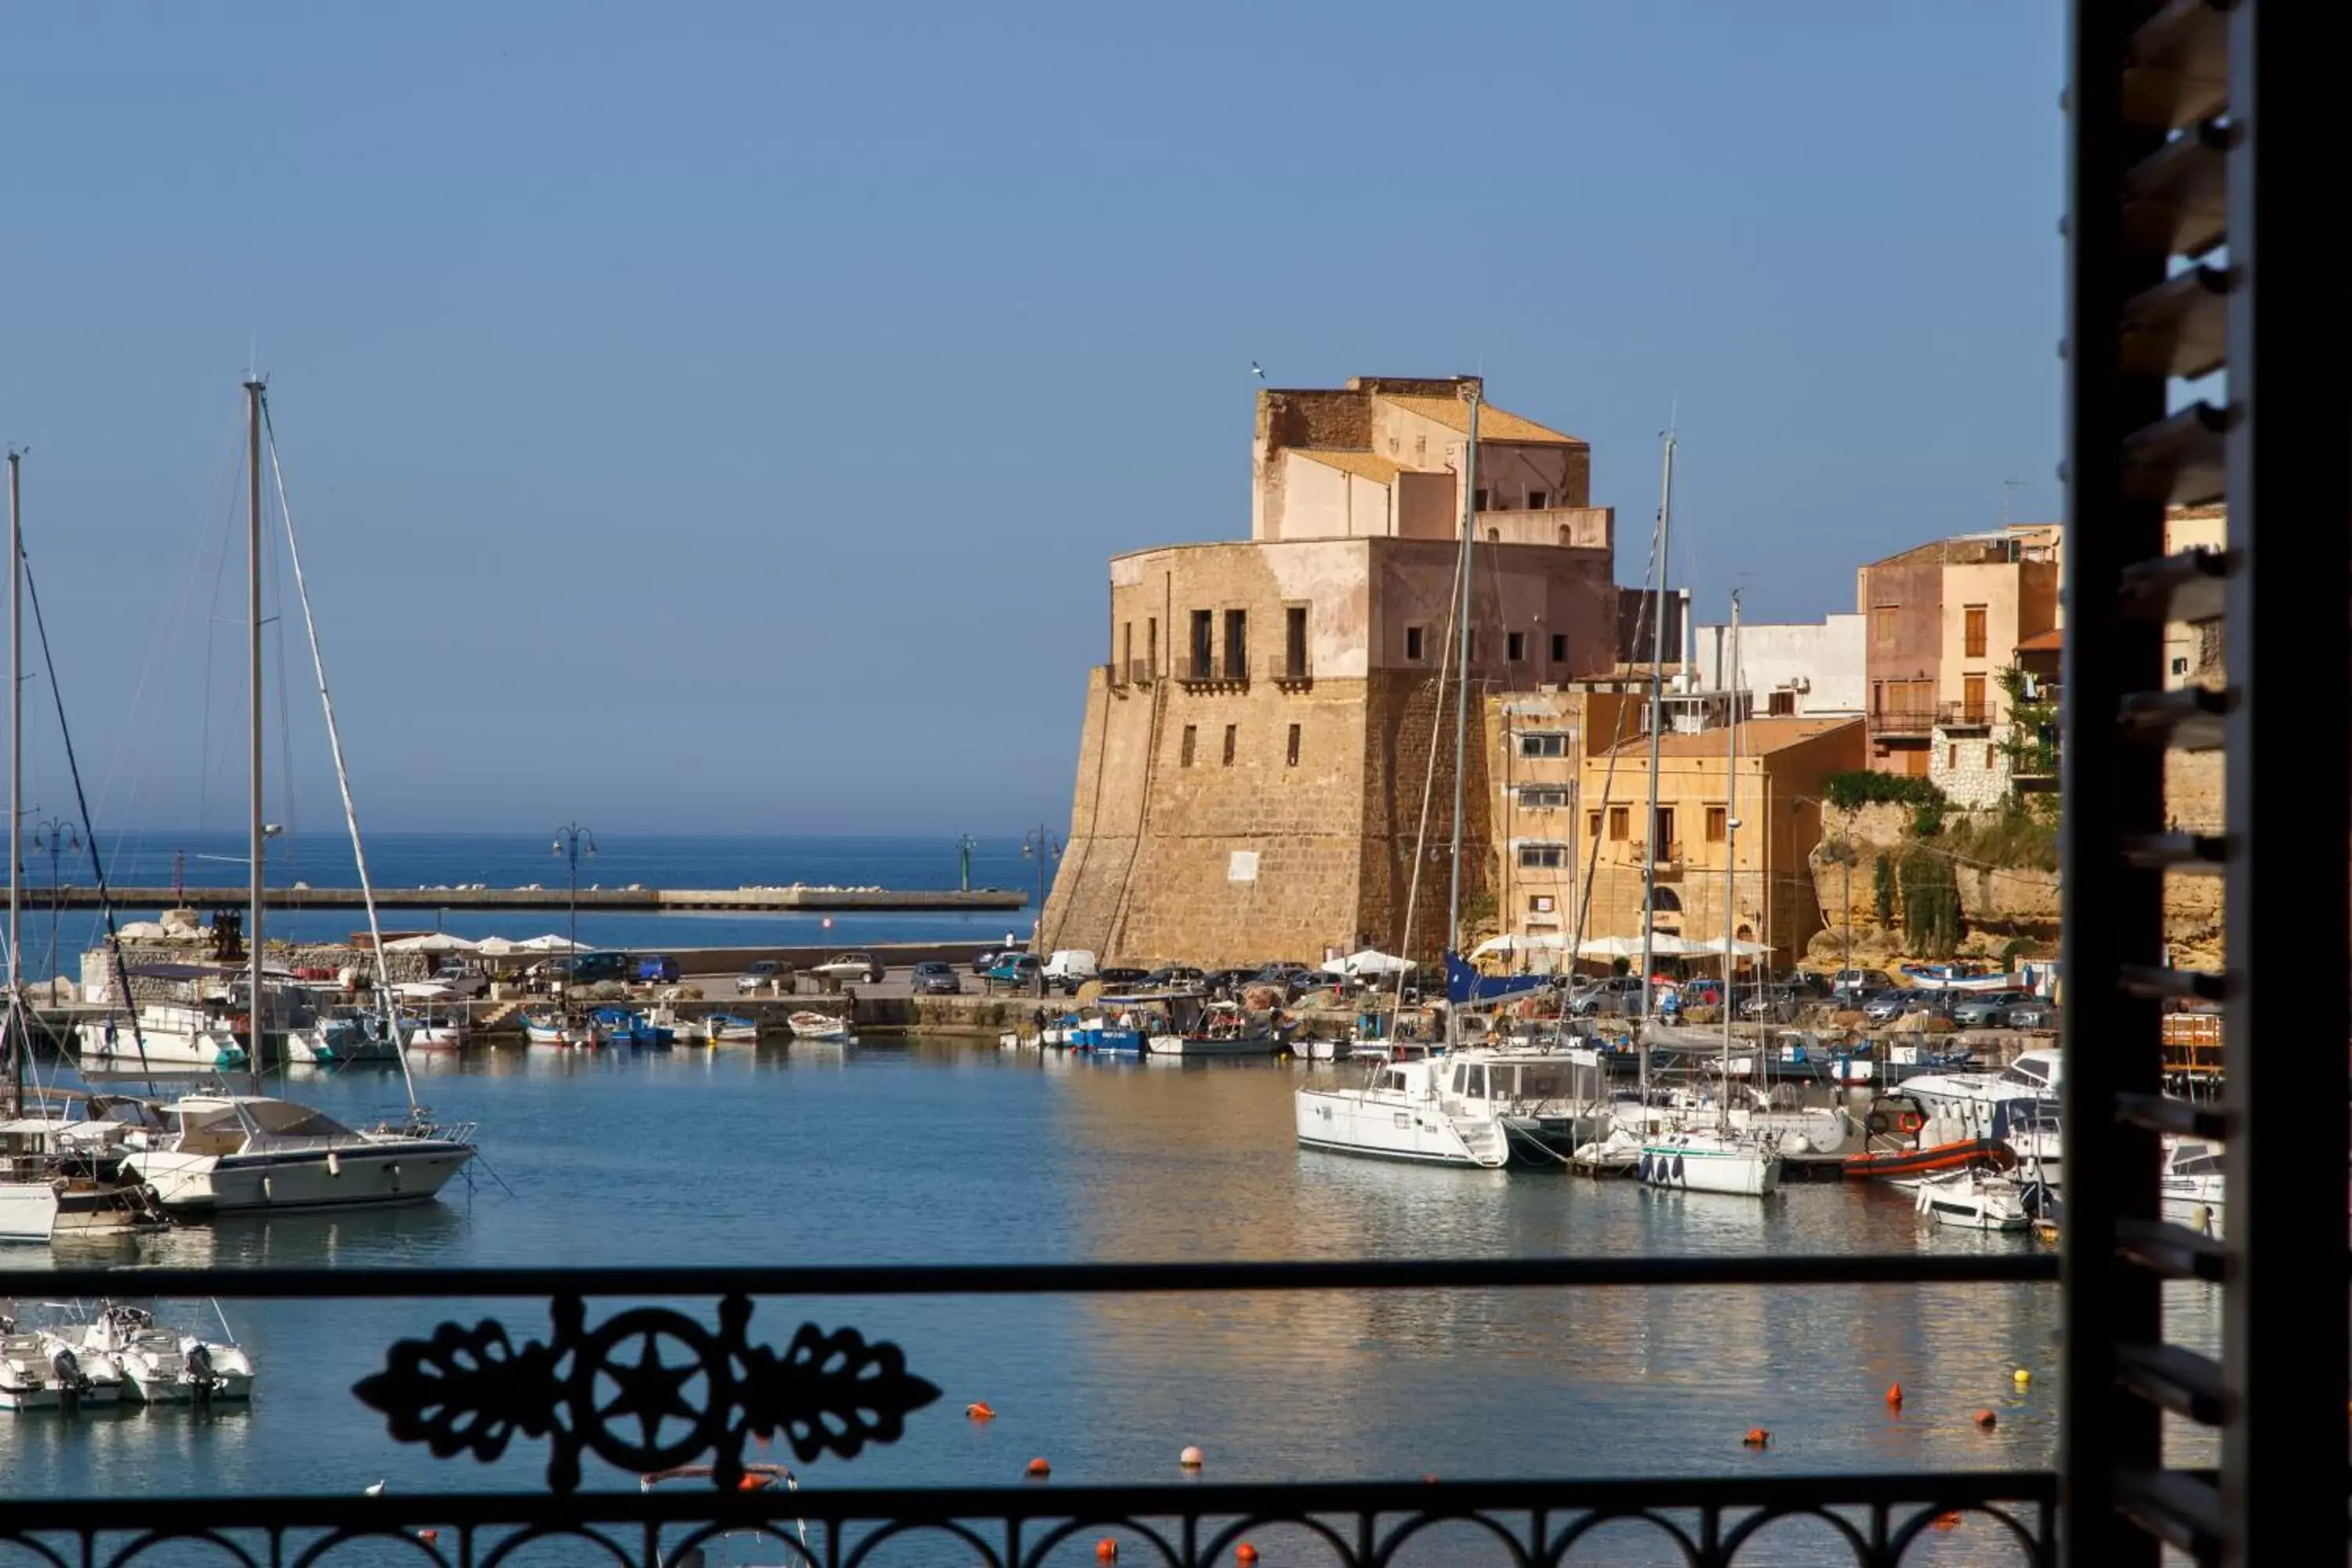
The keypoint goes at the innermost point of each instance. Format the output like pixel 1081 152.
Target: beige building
pixel 1700 859
pixel 1259 736
pixel 1942 621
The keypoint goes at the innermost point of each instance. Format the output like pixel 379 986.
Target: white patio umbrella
pixel 1515 941
pixel 431 941
pixel 500 947
pixel 1371 960
pixel 1662 945
pixel 551 944
pixel 1738 949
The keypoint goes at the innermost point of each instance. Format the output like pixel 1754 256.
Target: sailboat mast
pixel 1730 859
pixel 1658 723
pixel 18 1044
pixel 1462 690
pixel 256 845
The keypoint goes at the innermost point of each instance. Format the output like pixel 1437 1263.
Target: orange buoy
pixel 1895 1397
pixel 1245 1552
pixel 1757 1437
pixel 1986 1420
pixel 1106 1550
pixel 751 1483
pixel 981 1412
pixel 1948 1521
pixel 1038 1469
pixel 1189 1458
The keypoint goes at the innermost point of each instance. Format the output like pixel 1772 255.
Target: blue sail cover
pixel 1466 985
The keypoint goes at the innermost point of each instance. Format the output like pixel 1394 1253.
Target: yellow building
pixel 1700 858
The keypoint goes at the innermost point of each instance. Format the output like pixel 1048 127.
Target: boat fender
pixel 1679 1167
pixel 334 1162
pixel 395 1175
pixel 1642 1170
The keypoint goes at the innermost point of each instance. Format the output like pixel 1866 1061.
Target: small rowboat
pixel 819 1026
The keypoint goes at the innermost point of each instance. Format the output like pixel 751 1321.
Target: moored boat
pixel 1711 1160
pixel 1973 1198
pixel 813 1025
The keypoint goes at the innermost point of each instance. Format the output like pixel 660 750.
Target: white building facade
pixel 1790 669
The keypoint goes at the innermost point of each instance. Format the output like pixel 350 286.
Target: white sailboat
pixel 1744 1162
pixel 224 1152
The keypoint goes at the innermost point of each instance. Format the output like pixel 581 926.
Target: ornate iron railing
pixel 651 1388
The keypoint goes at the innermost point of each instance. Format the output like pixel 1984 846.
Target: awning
pixel 1662 945
pixel 1515 941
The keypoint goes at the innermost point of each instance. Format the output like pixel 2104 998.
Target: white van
pixel 1070 968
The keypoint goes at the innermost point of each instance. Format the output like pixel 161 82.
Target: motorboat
pixel 1323 1048
pixel 232 1153
pixel 1958 976
pixel 27 1379
pixel 160 1366
pixel 1482 1106
pixel 1973 1198
pixel 2034 1131
pixel 1906 1142
pixel 1195 1029
pixel 81 1378
pixel 166 1034
pixel 2192 1187
pixel 439 1031
pixel 553 1029
pixel 623 1026
pixel 1396 1114
pixel 344 1036
pixel 59 1176
pixel 1971 1096
pixel 727 1029
pixel 1711 1160
pixel 810 1026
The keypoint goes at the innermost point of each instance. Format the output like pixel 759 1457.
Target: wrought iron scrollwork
pixel 686 1391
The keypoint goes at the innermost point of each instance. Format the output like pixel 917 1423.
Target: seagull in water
pixel 1257 370
pixel 376 1491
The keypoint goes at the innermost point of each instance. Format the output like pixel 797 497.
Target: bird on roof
pixel 1257 370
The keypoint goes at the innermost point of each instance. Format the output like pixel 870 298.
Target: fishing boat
pixel 623 1026
pixel 554 1029
pixel 727 1029
pixel 1973 1198
pixel 1217 1030
pixel 810 1026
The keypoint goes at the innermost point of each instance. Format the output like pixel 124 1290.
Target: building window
pixel 1718 824
pixel 1412 644
pixel 1972 632
pixel 1515 646
pixel 2179 667
pixel 1662 831
pixel 1551 743
pixel 1972 699
pixel 1152 645
pixel 1550 797
pixel 1559 648
pixel 1231 735
pixel 1781 705
pixel 1592 824
pixel 1478 500
pixel 1536 500
pixel 1952 757
pixel 1620 819
pixel 1881 626
pixel 1125 649
pixel 1184 757
pixel 1204 653
pixel 1542 856
pixel 1291 752
pixel 1236 644
pixel 1293 641
pixel 1540 904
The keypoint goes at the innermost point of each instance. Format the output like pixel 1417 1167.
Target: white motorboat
pixel 554 1029
pixel 727 1029
pixel 808 1025
pixel 2192 1187
pixel 160 1366
pixel 167 1034
pixel 223 1153
pixel 439 1032
pixel 1712 1160
pixel 82 1377
pixel 1971 1096
pixel 1973 1199
pixel 2034 1131
pixel 1484 1106
pixel 1395 1114
pixel 25 1376
pixel 1321 1049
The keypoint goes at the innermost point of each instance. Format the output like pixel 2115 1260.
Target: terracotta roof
pixel 1363 465
pixel 1494 424
pixel 2051 641
pixel 1757 737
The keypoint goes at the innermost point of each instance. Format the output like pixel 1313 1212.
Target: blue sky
pixel 717 417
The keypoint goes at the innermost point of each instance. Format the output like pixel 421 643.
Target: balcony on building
pixel 1965 715
pixel 1293 668
pixel 1906 721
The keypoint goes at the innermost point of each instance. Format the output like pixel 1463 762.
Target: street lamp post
pixel 568 840
pixel 1043 847
pixel 59 837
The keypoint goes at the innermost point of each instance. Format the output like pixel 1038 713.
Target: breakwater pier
pixel 631 900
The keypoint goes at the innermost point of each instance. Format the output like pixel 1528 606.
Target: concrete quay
pixel 632 900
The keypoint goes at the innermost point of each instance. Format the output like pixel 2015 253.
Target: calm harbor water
pixel 321 856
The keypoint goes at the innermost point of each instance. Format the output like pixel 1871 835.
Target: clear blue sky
pixel 718 416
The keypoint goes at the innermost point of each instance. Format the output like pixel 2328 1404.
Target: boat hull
pixel 372 1175
pixel 1347 1123
pixel 1705 1167
pixel 160 1048
pixel 1925 1162
pixel 1205 1046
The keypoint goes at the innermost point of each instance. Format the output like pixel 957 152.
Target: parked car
pixel 851 966
pixel 934 980
pixel 460 980
pixel 1119 977
pixel 1017 970
pixel 1617 993
pixel 1986 1009
pixel 656 969
pixel 1296 979
pixel 762 972
pixel 1228 982
pixel 1169 976
pixel 983 961
pixel 1805 985
pixel 1070 968
pixel 2033 1014
pixel 1775 1004
pixel 1858 985
pixel 1886 1005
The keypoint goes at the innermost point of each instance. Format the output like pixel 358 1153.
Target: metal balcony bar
pixel 1292 670
pixel 1902 720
